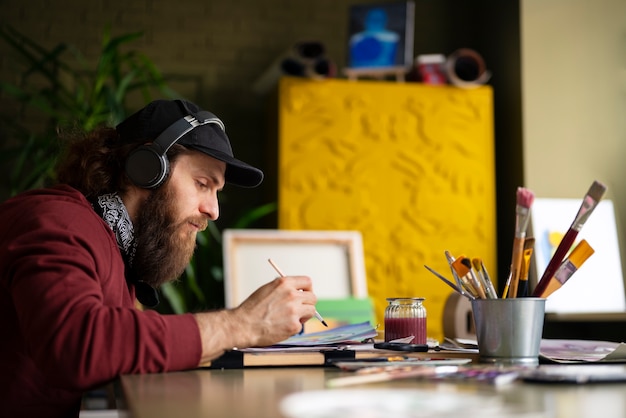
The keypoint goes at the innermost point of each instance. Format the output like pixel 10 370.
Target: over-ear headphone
pixel 148 166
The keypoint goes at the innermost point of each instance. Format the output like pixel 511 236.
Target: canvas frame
pixel 333 259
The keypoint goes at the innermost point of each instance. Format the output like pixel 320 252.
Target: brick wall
pixel 217 49
pixel 213 50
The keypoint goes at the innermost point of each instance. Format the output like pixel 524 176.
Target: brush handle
pixel 555 261
pixel 280 272
pixel 478 285
pixel 459 283
pixel 553 286
pixel 492 289
pixel 469 287
pixel 483 281
pixel 448 282
pixel 505 292
pixel 516 264
pixel 522 290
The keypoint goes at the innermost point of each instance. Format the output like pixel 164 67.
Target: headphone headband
pixel 181 127
pixel 148 166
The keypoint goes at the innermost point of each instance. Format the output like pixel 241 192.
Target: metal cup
pixel 509 331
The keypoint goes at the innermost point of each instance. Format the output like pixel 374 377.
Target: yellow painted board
pixel 409 165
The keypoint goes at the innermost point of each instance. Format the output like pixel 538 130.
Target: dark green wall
pixel 214 51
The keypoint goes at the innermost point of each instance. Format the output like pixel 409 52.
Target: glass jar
pixel 405 317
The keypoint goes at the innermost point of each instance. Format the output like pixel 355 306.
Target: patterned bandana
pixel 112 210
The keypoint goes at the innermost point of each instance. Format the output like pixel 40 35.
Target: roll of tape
pixel 303 59
pixel 466 68
pixel 458 320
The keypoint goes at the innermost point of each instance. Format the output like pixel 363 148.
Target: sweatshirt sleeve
pixel 75 315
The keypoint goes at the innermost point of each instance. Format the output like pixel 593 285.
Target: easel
pixel 382 73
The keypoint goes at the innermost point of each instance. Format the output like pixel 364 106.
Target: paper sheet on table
pixel 464 345
pixel 565 351
pixel 582 351
pixel 345 334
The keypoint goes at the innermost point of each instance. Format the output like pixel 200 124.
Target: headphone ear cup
pixel 146 167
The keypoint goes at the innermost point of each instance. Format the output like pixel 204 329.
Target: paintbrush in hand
pixel 279 271
pixel 525 198
pixel 590 201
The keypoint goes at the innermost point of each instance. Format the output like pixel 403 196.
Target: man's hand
pixel 271 314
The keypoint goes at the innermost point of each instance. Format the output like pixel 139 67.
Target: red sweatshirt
pixel 67 316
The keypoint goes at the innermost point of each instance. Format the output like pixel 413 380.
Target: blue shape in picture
pixel 381 35
pixel 375 46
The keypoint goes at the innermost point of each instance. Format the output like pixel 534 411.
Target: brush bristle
pixel 460 268
pixel 525 197
pixel 596 191
pixel 467 263
pixel 477 263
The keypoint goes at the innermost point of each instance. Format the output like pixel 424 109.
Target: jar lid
pixel 415 299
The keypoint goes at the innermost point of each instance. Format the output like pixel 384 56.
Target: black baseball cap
pixel 210 138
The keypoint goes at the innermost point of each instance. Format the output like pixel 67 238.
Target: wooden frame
pixel 333 259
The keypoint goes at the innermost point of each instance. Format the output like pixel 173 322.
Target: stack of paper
pixel 347 334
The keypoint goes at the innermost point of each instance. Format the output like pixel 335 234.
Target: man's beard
pixel 162 252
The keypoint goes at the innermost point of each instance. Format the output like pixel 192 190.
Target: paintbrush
pixel 463 267
pixel 522 290
pixel 317 314
pixel 478 284
pixel 589 203
pixel 484 276
pixel 525 198
pixel 568 267
pixel 449 283
pixel 459 284
pixel 507 284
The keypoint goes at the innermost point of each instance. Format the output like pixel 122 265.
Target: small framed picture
pixel 381 35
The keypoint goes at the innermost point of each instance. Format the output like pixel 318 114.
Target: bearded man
pixel 123 220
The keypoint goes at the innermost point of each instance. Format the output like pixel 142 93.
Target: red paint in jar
pixel 405 317
pixel 403 327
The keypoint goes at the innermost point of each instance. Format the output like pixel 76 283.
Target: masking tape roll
pixel 458 320
pixel 304 59
pixel 466 68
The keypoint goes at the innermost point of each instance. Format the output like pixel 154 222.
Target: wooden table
pixel 257 392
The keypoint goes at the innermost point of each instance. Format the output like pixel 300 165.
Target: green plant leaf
pixel 255 214
pixel 58 84
pixel 174 298
pixel 190 276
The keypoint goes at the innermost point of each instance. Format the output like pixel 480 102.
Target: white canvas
pixel 333 260
pixel 598 285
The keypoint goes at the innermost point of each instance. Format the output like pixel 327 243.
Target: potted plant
pixel 57 89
